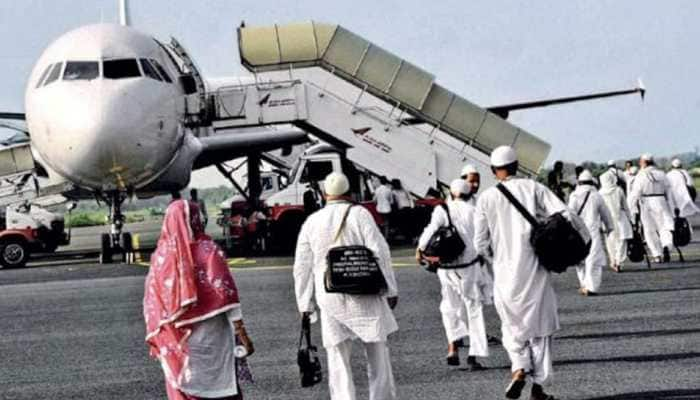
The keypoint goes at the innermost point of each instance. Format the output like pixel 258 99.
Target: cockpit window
pixel 55 73
pixel 119 69
pixel 149 70
pixel 43 75
pixel 162 71
pixel 81 70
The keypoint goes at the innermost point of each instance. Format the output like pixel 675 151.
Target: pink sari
pixel 188 282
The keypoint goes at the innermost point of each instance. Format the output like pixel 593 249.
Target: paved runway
pixel 76 332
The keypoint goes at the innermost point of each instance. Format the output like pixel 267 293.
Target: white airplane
pixel 105 108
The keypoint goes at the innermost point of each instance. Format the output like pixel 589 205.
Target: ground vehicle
pixel 27 229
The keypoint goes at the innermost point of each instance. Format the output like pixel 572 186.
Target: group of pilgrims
pixel 191 301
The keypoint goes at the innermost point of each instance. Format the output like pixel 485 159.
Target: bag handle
pixel 447 211
pixel 305 332
pixel 342 223
pixel 518 205
pixel 585 200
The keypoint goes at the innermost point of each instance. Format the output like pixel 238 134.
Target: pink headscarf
pixel 188 282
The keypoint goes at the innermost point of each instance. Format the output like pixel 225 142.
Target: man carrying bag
pixel 346 318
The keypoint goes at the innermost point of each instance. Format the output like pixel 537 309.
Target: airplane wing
pixel 504 110
pixel 226 146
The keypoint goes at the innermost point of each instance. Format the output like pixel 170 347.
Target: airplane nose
pixel 114 141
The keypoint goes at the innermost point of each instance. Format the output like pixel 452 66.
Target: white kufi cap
pixel 585 176
pixel 459 186
pixel 676 163
pixel 503 155
pixel 611 163
pixel 647 157
pixel 468 169
pixel 336 184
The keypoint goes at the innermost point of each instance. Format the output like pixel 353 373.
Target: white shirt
pixel 523 292
pixel 402 198
pixel 596 216
pixel 652 190
pixel 343 316
pixel 384 199
pixel 679 180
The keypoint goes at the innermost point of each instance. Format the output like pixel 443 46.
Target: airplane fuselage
pixel 104 108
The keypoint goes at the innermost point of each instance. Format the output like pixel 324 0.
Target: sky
pixel 490 52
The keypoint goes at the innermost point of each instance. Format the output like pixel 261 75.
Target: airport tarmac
pixel 74 330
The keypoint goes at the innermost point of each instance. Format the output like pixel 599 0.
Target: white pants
pixel 590 276
pixel 617 248
pixel 381 377
pixel 658 227
pixel 463 316
pixel 534 356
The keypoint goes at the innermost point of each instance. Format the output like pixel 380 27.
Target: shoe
pixel 582 291
pixel 667 255
pixel 453 359
pixel 517 383
pixel 587 293
pixel 473 365
pixel 538 393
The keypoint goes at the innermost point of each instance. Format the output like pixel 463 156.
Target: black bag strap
pixel 447 211
pixel 585 200
pixel 503 189
pixel 342 223
pixel 305 332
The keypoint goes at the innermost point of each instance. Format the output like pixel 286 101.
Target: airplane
pixel 118 113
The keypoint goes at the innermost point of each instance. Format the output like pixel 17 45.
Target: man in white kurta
pixel 616 241
pixel 347 318
pixel 679 181
pixel 462 281
pixel 651 191
pixel 523 293
pixel 588 204
pixel 384 199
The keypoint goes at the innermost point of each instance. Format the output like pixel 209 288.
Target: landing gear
pixel 116 242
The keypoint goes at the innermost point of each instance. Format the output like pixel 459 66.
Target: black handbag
pixel 352 269
pixel 307 358
pixel 681 232
pixel 635 247
pixel 557 244
pixel 445 242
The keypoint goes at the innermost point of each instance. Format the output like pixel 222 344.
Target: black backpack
pixel 681 232
pixel 445 242
pixel 557 244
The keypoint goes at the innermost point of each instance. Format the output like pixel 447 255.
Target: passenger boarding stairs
pixel 389 115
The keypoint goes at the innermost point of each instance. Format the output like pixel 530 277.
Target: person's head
pixel 646 160
pixel 504 162
pixel 558 166
pixel 676 163
pixel 182 217
pixel 396 184
pixel 175 195
pixel 586 178
pixel 383 180
pixel 471 175
pixel 193 194
pixel 612 164
pixel 578 170
pixel 336 186
pixel 459 189
pixel 628 164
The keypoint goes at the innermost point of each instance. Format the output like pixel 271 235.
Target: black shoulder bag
pixel 307 359
pixel 557 244
pixel 445 242
pixel 352 269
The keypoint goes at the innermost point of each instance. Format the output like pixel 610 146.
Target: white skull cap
pixel 585 176
pixel 611 163
pixel 503 155
pixel 647 157
pixel 459 186
pixel 336 184
pixel 676 163
pixel 469 169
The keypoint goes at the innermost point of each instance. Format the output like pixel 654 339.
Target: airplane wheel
pixel 14 254
pixel 106 249
pixel 127 247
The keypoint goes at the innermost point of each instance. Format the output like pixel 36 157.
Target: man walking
pixel 682 190
pixel 524 296
pixel 347 318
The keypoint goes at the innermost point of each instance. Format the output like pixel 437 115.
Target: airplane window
pixel 43 75
pixel 120 69
pixel 149 70
pixel 81 70
pixel 162 71
pixel 55 73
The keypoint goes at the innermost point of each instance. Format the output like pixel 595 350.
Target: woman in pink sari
pixel 193 317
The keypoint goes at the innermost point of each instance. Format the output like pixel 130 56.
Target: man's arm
pixel 482 234
pixel 303 271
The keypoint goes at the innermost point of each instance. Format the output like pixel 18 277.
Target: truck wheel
pixel 106 249
pixel 14 254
